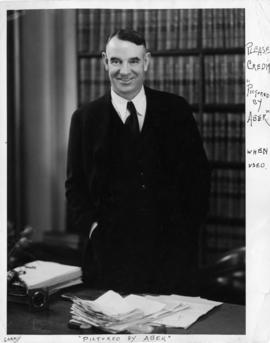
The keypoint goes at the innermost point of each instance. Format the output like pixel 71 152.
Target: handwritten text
pixel 130 338
pixel 12 339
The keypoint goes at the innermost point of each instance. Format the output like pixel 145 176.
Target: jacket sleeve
pixel 79 199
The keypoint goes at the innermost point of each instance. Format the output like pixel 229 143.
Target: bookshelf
pixel 198 54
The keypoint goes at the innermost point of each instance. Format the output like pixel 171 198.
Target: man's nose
pixel 124 68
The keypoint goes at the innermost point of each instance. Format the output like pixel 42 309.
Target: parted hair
pixel 128 35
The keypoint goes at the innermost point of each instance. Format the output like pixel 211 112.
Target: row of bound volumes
pixel 175 74
pixel 220 238
pixel 93 79
pixel 223 135
pixel 227 197
pixel 223 28
pixel 224 78
pixel 164 29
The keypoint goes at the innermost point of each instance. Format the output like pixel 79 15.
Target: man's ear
pixel 147 59
pixel 105 60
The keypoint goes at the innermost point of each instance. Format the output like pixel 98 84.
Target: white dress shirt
pixel 120 105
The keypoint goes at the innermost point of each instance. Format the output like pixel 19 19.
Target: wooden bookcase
pixel 198 54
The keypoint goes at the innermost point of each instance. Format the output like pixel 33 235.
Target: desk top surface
pixel 226 319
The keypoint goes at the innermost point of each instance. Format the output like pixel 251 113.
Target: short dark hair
pixel 128 35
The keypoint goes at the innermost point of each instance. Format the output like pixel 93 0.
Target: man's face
pixel 126 64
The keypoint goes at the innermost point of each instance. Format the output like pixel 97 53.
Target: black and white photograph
pixel 128 166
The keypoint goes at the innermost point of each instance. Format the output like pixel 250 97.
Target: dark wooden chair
pixel 224 280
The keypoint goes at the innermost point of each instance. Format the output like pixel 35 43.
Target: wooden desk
pixel 226 319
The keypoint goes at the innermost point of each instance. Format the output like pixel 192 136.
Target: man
pixel 137 179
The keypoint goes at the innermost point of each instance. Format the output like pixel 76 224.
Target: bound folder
pixel 51 275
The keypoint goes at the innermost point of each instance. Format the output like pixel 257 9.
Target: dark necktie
pixel 132 120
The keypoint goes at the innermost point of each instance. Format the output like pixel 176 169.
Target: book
pixel 219 28
pixel 226 27
pixel 161 29
pixel 111 22
pixel 151 41
pixel 190 25
pixel 207 28
pixel 129 18
pixel 195 27
pixel 146 32
pixel 118 19
pixel 174 29
pixel 220 136
pixel 102 35
pixel 204 28
pixel 241 21
pixel 180 35
pixel 209 68
pixel 141 23
pixel 169 27
pixel 43 274
pixel 83 30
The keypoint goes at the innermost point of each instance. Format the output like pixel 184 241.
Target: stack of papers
pixel 196 307
pixel 50 275
pixel 113 313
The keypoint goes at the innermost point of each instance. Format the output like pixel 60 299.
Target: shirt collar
pixel 120 104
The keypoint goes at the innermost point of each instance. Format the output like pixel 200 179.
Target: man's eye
pixel 136 61
pixel 115 62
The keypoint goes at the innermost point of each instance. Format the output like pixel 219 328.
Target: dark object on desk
pixel 36 299
pixel 225 279
pixel 39 299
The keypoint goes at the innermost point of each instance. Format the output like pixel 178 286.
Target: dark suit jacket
pixel 183 193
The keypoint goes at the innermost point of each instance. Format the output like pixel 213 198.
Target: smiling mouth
pixel 125 81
